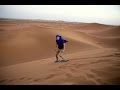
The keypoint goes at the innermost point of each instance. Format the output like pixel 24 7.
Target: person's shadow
pixel 64 60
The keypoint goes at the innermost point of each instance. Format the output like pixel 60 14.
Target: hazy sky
pixel 106 14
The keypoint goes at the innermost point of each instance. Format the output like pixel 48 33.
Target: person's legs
pixel 61 54
pixel 57 53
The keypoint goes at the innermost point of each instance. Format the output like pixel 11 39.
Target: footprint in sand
pixel 22 78
pixel 10 80
pixel 89 75
pixel 38 79
pixel 96 78
pixel 117 54
pixel 117 65
pixel 61 67
pixel 2 81
pixel 114 81
pixel 111 55
pixel 50 76
pixel 6 81
pixel 68 75
pixel 25 78
pixel 71 72
pixel 73 69
pixel 94 62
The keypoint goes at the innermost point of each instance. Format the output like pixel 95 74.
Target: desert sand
pixel 27 53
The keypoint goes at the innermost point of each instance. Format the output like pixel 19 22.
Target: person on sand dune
pixel 60 47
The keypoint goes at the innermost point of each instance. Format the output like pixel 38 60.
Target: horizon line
pixel 56 20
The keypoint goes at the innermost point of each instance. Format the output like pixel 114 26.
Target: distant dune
pixel 27 53
pixel 113 32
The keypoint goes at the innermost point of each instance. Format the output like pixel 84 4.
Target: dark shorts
pixel 60 46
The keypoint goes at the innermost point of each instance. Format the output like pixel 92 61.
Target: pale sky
pixel 105 14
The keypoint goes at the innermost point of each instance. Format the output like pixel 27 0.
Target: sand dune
pixel 113 32
pixel 27 53
pixel 36 42
pixel 93 26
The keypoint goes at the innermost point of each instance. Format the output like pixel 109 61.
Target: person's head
pixel 58 37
